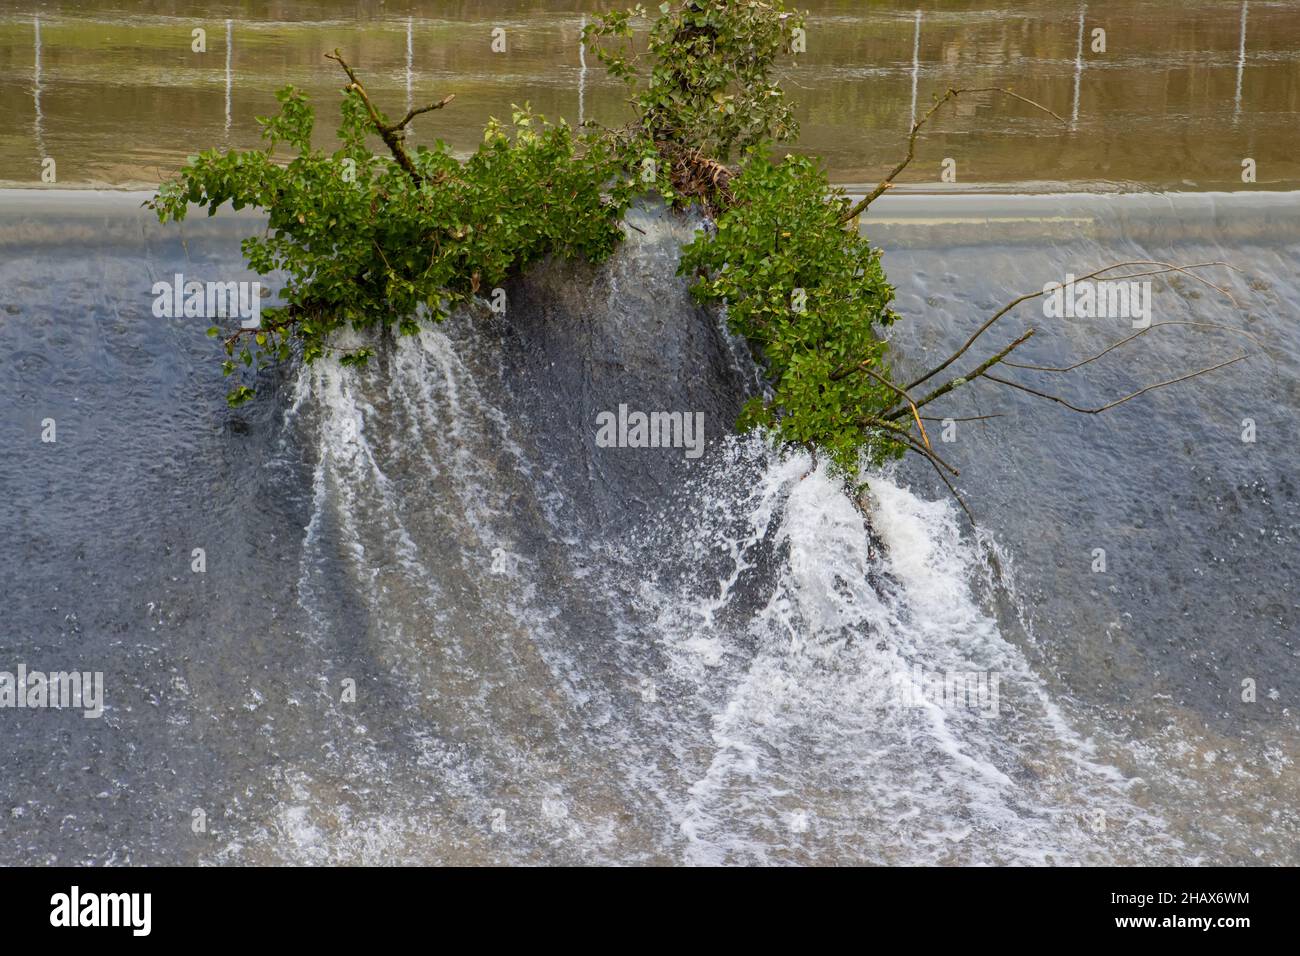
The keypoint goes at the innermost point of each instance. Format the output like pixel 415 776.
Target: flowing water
pixel 565 652
pixel 438 621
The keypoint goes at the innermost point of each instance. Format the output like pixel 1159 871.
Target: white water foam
pixel 776 629
pixel 814 755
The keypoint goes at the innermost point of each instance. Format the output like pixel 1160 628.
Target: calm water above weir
pixel 1182 94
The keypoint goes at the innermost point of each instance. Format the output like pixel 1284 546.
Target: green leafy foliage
pixel 709 86
pixel 363 244
pixel 810 296
pixel 369 242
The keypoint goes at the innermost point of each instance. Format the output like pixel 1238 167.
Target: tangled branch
pixel 1118 401
pixel 1165 267
pixel 888 419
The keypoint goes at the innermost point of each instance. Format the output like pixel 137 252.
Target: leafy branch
pixel 392 134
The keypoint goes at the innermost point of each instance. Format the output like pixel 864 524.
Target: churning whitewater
pixel 722 683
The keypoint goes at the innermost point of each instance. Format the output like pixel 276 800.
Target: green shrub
pixel 364 244
pixel 810 296
pixel 369 242
pixel 709 87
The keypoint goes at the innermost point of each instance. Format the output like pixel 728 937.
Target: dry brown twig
pixel 1118 401
pixel 1164 269
pixel 858 208
pixel 888 418
pixel 391 133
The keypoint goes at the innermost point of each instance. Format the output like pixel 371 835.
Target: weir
pixel 684 660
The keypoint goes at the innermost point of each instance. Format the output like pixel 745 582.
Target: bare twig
pixel 905 436
pixel 929 455
pixel 888 181
pixel 391 133
pixel 961 501
pixel 1118 401
pixel 413 113
pixel 1185 270
pixel 863 366
pixel 1164 268
pixel 1126 340
pixel 981 369
pixel 968 418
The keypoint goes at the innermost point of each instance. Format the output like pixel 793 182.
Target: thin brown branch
pixel 864 366
pixel 1118 401
pixel 391 133
pixel 961 501
pixel 952 93
pixel 1166 268
pixel 376 117
pixel 905 436
pixel 928 453
pixel 412 114
pixel 937 463
pixel 1126 340
pixel 981 369
pixel 1185 270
